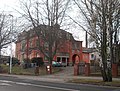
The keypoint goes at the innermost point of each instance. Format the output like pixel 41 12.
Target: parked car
pixel 56 64
pixel 63 63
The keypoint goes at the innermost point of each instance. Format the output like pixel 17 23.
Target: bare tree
pixel 116 30
pixel 6 30
pixel 45 17
pixel 100 17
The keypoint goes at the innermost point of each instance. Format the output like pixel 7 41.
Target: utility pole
pixel 0 46
pixel 86 36
pixel 11 29
pixel 11 58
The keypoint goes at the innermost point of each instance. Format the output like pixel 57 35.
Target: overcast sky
pixel 9 5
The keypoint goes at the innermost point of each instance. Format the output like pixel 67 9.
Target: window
pixel 46 45
pixel 45 58
pixel 37 54
pixel 37 43
pixel 22 57
pixel 58 59
pixel 23 44
pixel 92 55
pixel 68 36
pixel 30 43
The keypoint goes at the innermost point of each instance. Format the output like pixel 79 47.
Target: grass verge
pixel 95 82
pixel 18 70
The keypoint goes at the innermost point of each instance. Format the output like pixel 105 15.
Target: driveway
pixel 66 71
pixel 64 75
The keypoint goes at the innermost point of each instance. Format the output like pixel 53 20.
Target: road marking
pixel 5 84
pixel 6 81
pixel 116 90
pixel 58 88
pixel 43 86
pixel 20 83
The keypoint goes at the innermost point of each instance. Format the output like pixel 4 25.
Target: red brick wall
pixel 67 47
pixel 86 57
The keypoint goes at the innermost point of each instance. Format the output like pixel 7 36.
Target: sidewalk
pixel 64 76
pixel 54 78
pixel 37 78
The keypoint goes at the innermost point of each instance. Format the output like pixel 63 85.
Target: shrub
pixel 38 60
pixel 14 61
pixel 27 63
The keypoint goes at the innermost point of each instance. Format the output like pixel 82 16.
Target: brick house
pixel 67 52
pixel 90 55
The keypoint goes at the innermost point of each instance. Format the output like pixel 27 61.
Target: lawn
pixel 95 82
pixel 18 70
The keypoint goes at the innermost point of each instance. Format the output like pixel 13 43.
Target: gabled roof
pixel 88 50
pixel 31 33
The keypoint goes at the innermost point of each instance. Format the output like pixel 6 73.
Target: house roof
pixel 88 50
pixel 31 33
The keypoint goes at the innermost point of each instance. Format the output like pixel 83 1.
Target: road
pixel 17 84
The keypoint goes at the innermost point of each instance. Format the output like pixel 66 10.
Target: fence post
pixel 87 69
pixel 114 70
pixel 76 69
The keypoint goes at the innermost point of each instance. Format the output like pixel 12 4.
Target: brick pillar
pixel 76 69
pixel 87 69
pixel 114 70
pixel 37 70
pixel 49 69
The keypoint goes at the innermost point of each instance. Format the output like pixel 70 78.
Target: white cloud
pixel 8 5
pixel 4 3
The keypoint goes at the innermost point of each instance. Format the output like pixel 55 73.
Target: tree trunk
pixel 111 60
pixel 106 73
pixel 86 38
pixel 104 53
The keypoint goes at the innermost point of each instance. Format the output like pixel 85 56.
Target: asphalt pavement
pixel 8 83
pixel 54 82
pixel 64 76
